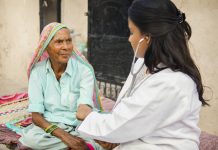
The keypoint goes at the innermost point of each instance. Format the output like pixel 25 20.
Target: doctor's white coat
pixel 161 113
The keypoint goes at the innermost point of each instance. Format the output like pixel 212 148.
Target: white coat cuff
pixel 85 128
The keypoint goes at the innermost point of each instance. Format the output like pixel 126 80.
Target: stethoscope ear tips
pixel 141 40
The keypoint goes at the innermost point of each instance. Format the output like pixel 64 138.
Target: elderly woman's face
pixel 60 48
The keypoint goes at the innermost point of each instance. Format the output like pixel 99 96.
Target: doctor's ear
pixel 147 38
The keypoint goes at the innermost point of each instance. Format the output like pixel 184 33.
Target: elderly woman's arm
pixel 83 111
pixel 41 122
pixel 71 141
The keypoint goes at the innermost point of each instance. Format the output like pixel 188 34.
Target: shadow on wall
pixel 9 86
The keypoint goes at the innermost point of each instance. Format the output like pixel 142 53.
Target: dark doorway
pixel 109 51
pixel 50 11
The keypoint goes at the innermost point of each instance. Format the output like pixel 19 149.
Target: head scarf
pixel 40 54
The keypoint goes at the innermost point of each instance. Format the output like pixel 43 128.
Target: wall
pixel 202 16
pixel 19 28
pixel 73 15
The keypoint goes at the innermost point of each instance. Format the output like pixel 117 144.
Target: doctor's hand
pixel 83 111
pixel 106 145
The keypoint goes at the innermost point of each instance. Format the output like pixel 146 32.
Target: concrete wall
pixel 202 16
pixel 19 28
pixel 73 15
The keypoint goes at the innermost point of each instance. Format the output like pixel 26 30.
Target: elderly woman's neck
pixel 58 69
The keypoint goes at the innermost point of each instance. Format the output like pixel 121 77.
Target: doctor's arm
pixel 82 112
pixel 149 108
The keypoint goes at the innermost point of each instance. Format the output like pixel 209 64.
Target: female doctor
pixel 158 107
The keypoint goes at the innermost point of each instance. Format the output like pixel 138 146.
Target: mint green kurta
pixel 57 101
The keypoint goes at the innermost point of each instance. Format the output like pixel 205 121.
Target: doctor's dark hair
pixel 169 32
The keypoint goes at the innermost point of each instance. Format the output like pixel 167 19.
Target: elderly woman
pixel 58 85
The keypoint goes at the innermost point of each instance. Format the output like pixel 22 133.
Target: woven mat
pixel 14 111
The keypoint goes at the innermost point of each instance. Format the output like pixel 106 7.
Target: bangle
pixel 51 128
pixel 47 128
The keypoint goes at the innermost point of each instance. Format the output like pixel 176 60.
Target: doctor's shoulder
pixel 175 78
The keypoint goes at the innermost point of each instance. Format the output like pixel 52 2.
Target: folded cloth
pixel 19 124
pixel 10 139
pixel 208 141
pixel 90 146
pixel 107 104
pixel 8 98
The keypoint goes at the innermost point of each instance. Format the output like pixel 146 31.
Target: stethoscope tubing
pixel 133 66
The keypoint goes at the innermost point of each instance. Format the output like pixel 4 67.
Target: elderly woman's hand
pixel 83 111
pixel 106 145
pixel 73 142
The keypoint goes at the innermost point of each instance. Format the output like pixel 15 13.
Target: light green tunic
pixel 57 101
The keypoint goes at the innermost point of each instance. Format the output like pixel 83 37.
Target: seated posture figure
pixel 158 106
pixel 58 85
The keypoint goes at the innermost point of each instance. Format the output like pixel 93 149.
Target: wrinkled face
pixel 135 37
pixel 60 47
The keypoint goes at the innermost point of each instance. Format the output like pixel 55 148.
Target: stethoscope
pixel 134 74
